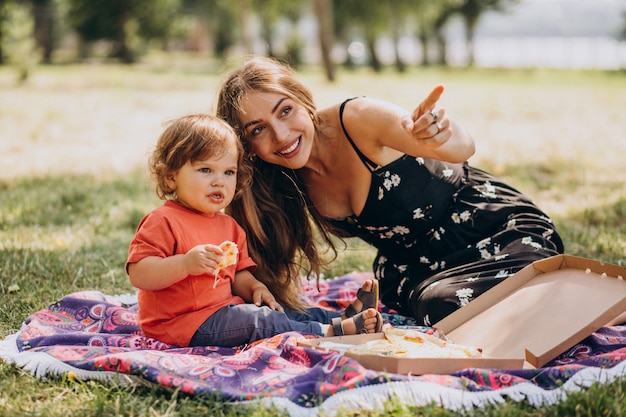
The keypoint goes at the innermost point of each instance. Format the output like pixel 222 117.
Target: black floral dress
pixel 445 233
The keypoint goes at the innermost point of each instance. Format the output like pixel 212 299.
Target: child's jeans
pixel 239 324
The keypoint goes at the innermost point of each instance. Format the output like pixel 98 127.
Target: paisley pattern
pixel 92 332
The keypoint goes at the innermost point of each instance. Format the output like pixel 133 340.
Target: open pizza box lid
pixel 525 321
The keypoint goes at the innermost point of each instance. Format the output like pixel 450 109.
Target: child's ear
pixel 170 181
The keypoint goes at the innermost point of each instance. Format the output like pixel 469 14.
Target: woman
pixel 445 231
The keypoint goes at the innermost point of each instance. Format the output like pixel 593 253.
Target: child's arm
pixel 252 290
pixel 155 273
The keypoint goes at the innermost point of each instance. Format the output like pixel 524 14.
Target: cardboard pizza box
pixel 543 310
pixel 525 321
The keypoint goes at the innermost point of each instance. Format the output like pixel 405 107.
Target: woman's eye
pixel 256 131
pixel 286 111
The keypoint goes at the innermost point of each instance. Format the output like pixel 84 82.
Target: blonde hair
pixel 281 224
pixel 192 138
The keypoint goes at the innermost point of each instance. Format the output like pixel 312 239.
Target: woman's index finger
pixel 429 102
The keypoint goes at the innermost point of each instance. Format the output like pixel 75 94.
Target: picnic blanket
pixel 91 335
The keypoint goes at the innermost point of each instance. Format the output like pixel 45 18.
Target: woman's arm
pixel 382 125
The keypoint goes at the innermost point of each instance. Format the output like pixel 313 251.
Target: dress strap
pixel 369 164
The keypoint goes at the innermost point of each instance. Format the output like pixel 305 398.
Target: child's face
pixel 208 185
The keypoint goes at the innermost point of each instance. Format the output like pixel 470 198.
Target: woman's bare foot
pixel 367 321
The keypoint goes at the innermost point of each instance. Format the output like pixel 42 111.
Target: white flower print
pixel 484 253
pixel 529 241
pixel 401 230
pixel 418 213
pixel 424 260
pixel 547 233
pixel 465 216
pixel 472 279
pixel 443 264
pixel 496 249
pixel 395 180
pixel 434 266
pixel 387 184
pixel 483 243
pixel 502 274
pixel 501 257
pixel 381 193
pixel 464 295
pixel 402 268
pixel 510 224
pixel 436 235
pixel 489 191
pixel 456 218
pixel 420 160
pixel 447 172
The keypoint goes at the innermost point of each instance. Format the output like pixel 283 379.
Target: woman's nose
pixel 281 131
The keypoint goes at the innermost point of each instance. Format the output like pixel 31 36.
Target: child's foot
pixel 367 321
pixel 366 297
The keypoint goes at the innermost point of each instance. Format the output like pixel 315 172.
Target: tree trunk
pixel 323 13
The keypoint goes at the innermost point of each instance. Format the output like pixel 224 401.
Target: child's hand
pixel 203 259
pixel 261 295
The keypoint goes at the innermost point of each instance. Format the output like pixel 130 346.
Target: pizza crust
pixel 410 343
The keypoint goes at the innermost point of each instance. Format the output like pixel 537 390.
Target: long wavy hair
pixel 285 232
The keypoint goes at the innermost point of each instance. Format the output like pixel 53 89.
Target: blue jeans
pixel 239 324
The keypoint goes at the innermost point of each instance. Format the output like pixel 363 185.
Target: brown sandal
pixel 359 323
pixel 368 299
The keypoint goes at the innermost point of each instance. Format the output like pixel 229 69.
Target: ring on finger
pixel 435 116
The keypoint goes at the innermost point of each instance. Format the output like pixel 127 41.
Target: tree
pixel 471 10
pixel 270 12
pixel 124 23
pixel 370 17
pixel 324 14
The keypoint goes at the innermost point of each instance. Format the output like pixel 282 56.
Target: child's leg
pixel 236 325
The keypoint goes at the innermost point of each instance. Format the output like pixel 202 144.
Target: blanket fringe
pixel 42 365
pixel 419 393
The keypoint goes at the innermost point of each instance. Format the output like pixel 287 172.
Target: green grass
pixel 66 220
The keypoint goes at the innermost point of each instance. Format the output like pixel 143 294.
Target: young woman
pixel 445 231
pixel 186 296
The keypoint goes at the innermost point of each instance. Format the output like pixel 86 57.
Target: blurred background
pixel 577 34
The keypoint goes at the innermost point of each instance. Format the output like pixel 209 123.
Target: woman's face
pixel 279 130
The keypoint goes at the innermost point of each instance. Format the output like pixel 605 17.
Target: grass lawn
pixel 73 147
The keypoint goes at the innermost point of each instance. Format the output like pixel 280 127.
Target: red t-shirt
pixel 173 314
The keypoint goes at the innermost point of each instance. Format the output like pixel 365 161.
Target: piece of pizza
pixel 410 343
pixel 230 254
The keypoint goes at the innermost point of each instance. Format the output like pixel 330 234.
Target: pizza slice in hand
pixel 230 254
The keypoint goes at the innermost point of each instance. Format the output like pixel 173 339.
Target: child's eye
pixel 231 172
pixel 205 170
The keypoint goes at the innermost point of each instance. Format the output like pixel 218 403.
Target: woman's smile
pixel 291 148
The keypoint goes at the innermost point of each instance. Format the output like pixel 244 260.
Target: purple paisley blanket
pixel 90 335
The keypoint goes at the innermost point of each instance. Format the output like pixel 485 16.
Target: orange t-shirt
pixel 173 314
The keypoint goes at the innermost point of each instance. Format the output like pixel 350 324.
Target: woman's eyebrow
pixel 278 103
